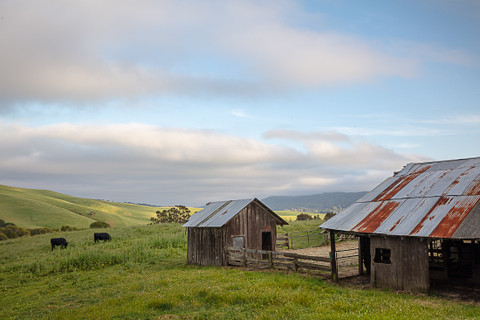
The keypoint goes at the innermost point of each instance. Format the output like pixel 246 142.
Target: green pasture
pixel 31 208
pixel 142 274
pixel 289 215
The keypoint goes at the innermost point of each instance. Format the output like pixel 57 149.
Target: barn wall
pixel 408 268
pixel 206 246
pixel 250 222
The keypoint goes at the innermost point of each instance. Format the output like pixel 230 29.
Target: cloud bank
pixel 142 163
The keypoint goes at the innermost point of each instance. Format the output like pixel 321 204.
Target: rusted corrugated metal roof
pixel 217 214
pixel 435 199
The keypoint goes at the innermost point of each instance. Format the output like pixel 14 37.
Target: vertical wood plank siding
pixel 206 245
pixel 409 266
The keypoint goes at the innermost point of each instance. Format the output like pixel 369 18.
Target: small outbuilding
pixel 246 223
pixel 419 227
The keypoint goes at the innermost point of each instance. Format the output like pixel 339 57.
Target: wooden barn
pixel 246 223
pixel 419 227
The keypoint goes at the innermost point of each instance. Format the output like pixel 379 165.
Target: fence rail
pixel 301 239
pixel 277 260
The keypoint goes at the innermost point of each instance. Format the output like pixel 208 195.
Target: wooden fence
pixel 263 259
pixel 301 239
pixel 306 239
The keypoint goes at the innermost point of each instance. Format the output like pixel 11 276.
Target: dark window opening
pixel 382 255
pixel 267 240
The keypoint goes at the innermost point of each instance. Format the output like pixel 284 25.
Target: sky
pixel 184 102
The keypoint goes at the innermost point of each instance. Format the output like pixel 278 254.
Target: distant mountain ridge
pixel 322 202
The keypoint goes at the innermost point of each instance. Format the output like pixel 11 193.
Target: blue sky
pixel 185 102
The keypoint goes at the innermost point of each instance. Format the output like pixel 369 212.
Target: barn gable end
pixel 246 223
pixel 422 224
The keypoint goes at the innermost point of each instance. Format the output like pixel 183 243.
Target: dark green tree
pixel 176 214
pixel 329 215
pixel 304 217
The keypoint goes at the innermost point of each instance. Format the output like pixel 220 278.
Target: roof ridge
pixel 438 161
pixel 214 212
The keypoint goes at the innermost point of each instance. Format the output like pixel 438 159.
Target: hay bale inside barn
pixel 419 227
pixel 246 223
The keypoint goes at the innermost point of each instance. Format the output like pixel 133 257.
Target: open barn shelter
pixel 419 227
pixel 245 223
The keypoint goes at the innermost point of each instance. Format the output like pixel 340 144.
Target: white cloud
pixel 135 162
pixel 100 50
pixel 240 113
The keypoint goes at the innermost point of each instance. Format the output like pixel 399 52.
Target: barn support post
pixel 333 256
pixel 360 256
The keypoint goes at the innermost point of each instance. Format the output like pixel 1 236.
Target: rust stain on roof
pixel 449 224
pixel 371 222
pixel 395 225
pixel 441 202
pixel 438 197
pixel 474 188
pixel 395 187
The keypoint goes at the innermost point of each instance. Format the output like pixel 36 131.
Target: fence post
pixel 333 256
pixel 244 257
pixel 226 256
pixel 270 259
pixel 295 264
pixel 308 239
pixel 288 241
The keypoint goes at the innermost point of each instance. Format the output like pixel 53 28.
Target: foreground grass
pixel 141 274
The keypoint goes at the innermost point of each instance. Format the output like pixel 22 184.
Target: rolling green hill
pixel 30 208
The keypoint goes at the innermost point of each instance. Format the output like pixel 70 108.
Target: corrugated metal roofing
pixel 217 214
pixel 435 199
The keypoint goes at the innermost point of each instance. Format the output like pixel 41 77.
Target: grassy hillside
pixel 142 274
pixel 31 208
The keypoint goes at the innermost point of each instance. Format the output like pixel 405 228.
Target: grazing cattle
pixel 101 236
pixel 58 242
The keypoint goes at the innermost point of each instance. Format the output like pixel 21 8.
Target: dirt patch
pixel 324 251
pixel 347 255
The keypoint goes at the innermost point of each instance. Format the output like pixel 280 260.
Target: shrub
pixel 37 231
pixel 68 228
pixel 3 236
pixel 99 224
pixel 13 232
pixel 2 223
pixel 304 217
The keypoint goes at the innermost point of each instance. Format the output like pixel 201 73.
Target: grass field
pixel 289 215
pixel 142 274
pixel 30 208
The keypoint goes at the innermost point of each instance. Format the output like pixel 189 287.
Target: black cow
pixel 101 236
pixel 58 242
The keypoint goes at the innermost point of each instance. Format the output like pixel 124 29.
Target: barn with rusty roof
pixel 245 223
pixel 418 227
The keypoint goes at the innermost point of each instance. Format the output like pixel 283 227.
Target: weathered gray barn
pixel 246 223
pixel 420 226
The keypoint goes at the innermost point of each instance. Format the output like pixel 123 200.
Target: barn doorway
pixel 267 241
pixel 454 260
